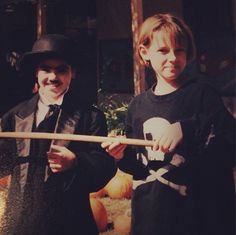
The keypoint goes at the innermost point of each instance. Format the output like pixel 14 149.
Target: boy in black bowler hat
pixel 51 180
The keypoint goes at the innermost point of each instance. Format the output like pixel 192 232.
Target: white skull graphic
pixel 153 128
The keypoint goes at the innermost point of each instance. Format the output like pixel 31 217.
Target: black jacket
pixel 61 205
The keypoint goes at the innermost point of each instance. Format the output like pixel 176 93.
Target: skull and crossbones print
pixel 153 128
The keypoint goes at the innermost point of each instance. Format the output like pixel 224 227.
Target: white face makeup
pixel 54 77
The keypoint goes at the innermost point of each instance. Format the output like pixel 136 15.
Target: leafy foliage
pixel 115 112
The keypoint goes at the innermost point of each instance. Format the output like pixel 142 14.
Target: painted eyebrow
pixel 163 47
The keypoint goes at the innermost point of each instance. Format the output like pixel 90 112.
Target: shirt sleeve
pixel 94 166
pixel 213 127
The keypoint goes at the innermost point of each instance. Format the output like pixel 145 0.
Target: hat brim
pixel 30 60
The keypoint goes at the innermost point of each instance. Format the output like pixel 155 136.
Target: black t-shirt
pixel 165 185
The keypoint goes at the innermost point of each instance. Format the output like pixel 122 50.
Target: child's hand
pixel 115 149
pixel 60 158
pixel 170 138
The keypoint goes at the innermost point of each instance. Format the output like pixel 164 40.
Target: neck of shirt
pixel 43 107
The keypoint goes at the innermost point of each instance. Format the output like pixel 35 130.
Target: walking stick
pixel 75 137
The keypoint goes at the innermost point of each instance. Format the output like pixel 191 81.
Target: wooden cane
pixel 75 137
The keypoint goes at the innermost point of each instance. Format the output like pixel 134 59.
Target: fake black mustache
pixel 54 82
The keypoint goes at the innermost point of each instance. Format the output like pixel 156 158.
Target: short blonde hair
pixel 175 29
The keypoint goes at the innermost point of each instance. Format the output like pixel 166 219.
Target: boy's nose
pixel 171 55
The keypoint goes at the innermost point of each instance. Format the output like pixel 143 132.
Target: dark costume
pixel 39 201
pixel 189 191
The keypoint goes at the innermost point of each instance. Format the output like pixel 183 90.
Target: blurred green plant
pixel 115 113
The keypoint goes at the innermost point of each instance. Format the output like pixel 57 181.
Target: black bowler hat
pixel 49 46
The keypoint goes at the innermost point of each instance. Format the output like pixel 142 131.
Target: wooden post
pixel 41 18
pixel 137 19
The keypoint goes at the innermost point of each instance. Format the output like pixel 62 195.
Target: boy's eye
pixel 163 50
pixel 61 69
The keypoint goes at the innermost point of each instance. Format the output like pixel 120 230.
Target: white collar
pixel 43 107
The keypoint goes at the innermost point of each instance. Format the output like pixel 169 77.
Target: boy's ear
pixel 143 53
